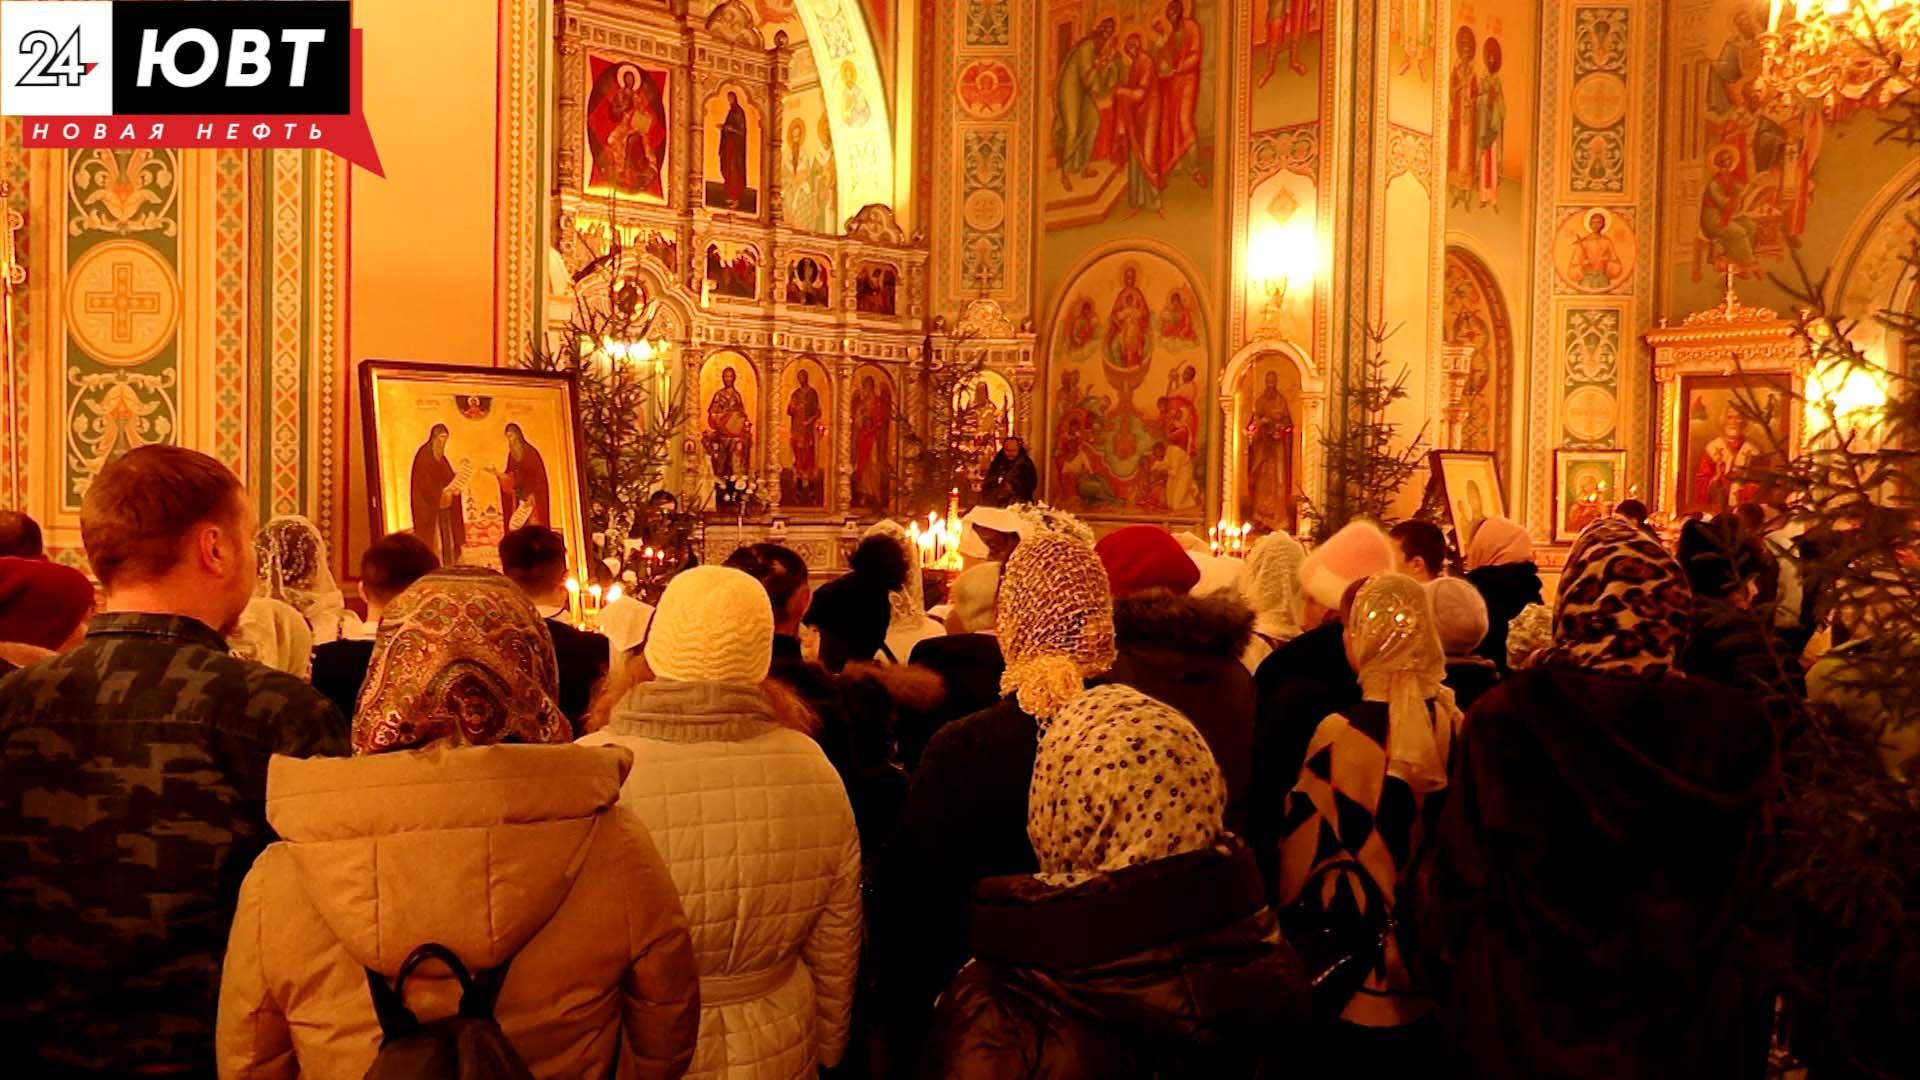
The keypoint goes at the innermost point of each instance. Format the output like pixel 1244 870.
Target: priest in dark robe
pixel 439 521
pixel 523 483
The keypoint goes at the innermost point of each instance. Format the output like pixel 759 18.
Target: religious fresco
pixel 626 129
pixel 734 138
pixel 1269 433
pixel 733 270
pixel 1599 125
pixel 1594 250
pixel 854 101
pixel 804 449
pixel 875 288
pixel 983 405
pixel 1286 52
pixel 808 281
pixel 808 187
pixel 1411 55
pixel 462 456
pixel 1127 363
pixel 1127 114
pixel 1731 426
pixel 729 399
pixel 871 428
pixel 1490 101
pixel 1476 315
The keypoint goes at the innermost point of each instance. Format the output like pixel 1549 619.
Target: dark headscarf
pixel 1625 606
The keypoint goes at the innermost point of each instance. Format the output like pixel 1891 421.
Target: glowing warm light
pixel 1282 257
pixel 1839 55
pixel 1846 396
pixel 614 592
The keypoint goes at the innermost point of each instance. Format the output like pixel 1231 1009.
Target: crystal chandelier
pixel 1840 55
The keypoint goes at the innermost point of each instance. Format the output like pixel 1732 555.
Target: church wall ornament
pixel 984 117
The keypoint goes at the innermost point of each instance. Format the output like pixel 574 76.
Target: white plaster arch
pixel 1311 421
pixel 837 35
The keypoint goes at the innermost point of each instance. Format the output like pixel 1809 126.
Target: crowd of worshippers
pixel 1114 809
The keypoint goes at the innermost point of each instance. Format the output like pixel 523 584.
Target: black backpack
pixel 468 1045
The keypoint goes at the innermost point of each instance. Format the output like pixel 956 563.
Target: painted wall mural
pixel 1490 90
pixel 1127 360
pixel 855 101
pixel 1476 315
pixel 810 195
pixel 1129 116
pixel 734 137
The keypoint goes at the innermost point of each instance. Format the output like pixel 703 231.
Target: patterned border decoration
pixel 230 310
pixel 329 354
pixel 519 246
pixel 983 169
pixel 17 396
pixel 286 337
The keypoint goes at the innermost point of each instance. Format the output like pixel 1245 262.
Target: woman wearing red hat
pixel 43 610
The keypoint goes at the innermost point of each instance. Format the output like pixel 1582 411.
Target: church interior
pixel 681 274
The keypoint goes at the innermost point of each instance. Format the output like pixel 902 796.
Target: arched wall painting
pixel 1267 413
pixel 734 136
pixel 871 401
pixel 1476 315
pixel 729 400
pixel 1127 360
pixel 805 449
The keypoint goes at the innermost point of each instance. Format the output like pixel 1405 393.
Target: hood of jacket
pixel 1220 624
pixel 474 848
pixel 1183 948
pixel 1640 754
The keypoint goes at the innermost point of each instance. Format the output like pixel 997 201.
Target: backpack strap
pixel 479 992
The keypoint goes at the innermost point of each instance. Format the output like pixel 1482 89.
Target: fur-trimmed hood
pixel 1220 624
pixel 912 686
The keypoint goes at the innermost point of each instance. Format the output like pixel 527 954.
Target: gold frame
pixel 1732 339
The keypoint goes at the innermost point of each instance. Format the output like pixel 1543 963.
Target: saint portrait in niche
pixel 804 486
pixel 872 441
pixel 874 289
pixel 729 438
pixel 1270 456
pixel 732 135
pixel 626 126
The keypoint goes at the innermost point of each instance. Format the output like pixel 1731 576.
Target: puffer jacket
pixel 1185 651
pixel 761 841
pixel 1174 968
pixel 500 853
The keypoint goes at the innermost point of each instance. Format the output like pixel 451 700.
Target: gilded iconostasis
pixel 1159 236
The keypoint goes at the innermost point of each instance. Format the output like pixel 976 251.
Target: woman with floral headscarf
pixel 966 812
pixel 1575 911
pixel 1144 945
pixel 1370 771
pixel 464 820
pixel 293 568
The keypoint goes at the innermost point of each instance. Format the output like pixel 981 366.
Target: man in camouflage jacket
pixel 133 775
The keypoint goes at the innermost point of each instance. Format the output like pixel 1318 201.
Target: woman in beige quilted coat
pixel 441 829
pixel 757 832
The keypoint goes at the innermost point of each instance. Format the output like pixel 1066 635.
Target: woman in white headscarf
pixel 909 624
pixel 1369 771
pixel 273 632
pixel 293 570
pixel 1271 586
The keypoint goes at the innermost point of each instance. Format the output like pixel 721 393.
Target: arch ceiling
pixel 856 101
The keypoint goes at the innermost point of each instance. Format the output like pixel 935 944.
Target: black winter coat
pixel 1470 678
pixel 1298 685
pixel 1575 907
pixel 969 666
pixel 1507 588
pixel 1009 481
pixel 1185 651
pixel 1170 969
pixel 965 820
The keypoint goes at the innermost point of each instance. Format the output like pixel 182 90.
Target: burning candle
pixel 573 599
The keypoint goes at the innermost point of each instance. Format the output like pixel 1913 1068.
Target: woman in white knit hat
pixel 756 830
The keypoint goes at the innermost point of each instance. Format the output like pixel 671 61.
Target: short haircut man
pixel 387 567
pixel 534 557
pixel 20 536
pixel 392 563
pixel 135 773
pixel 1422 548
